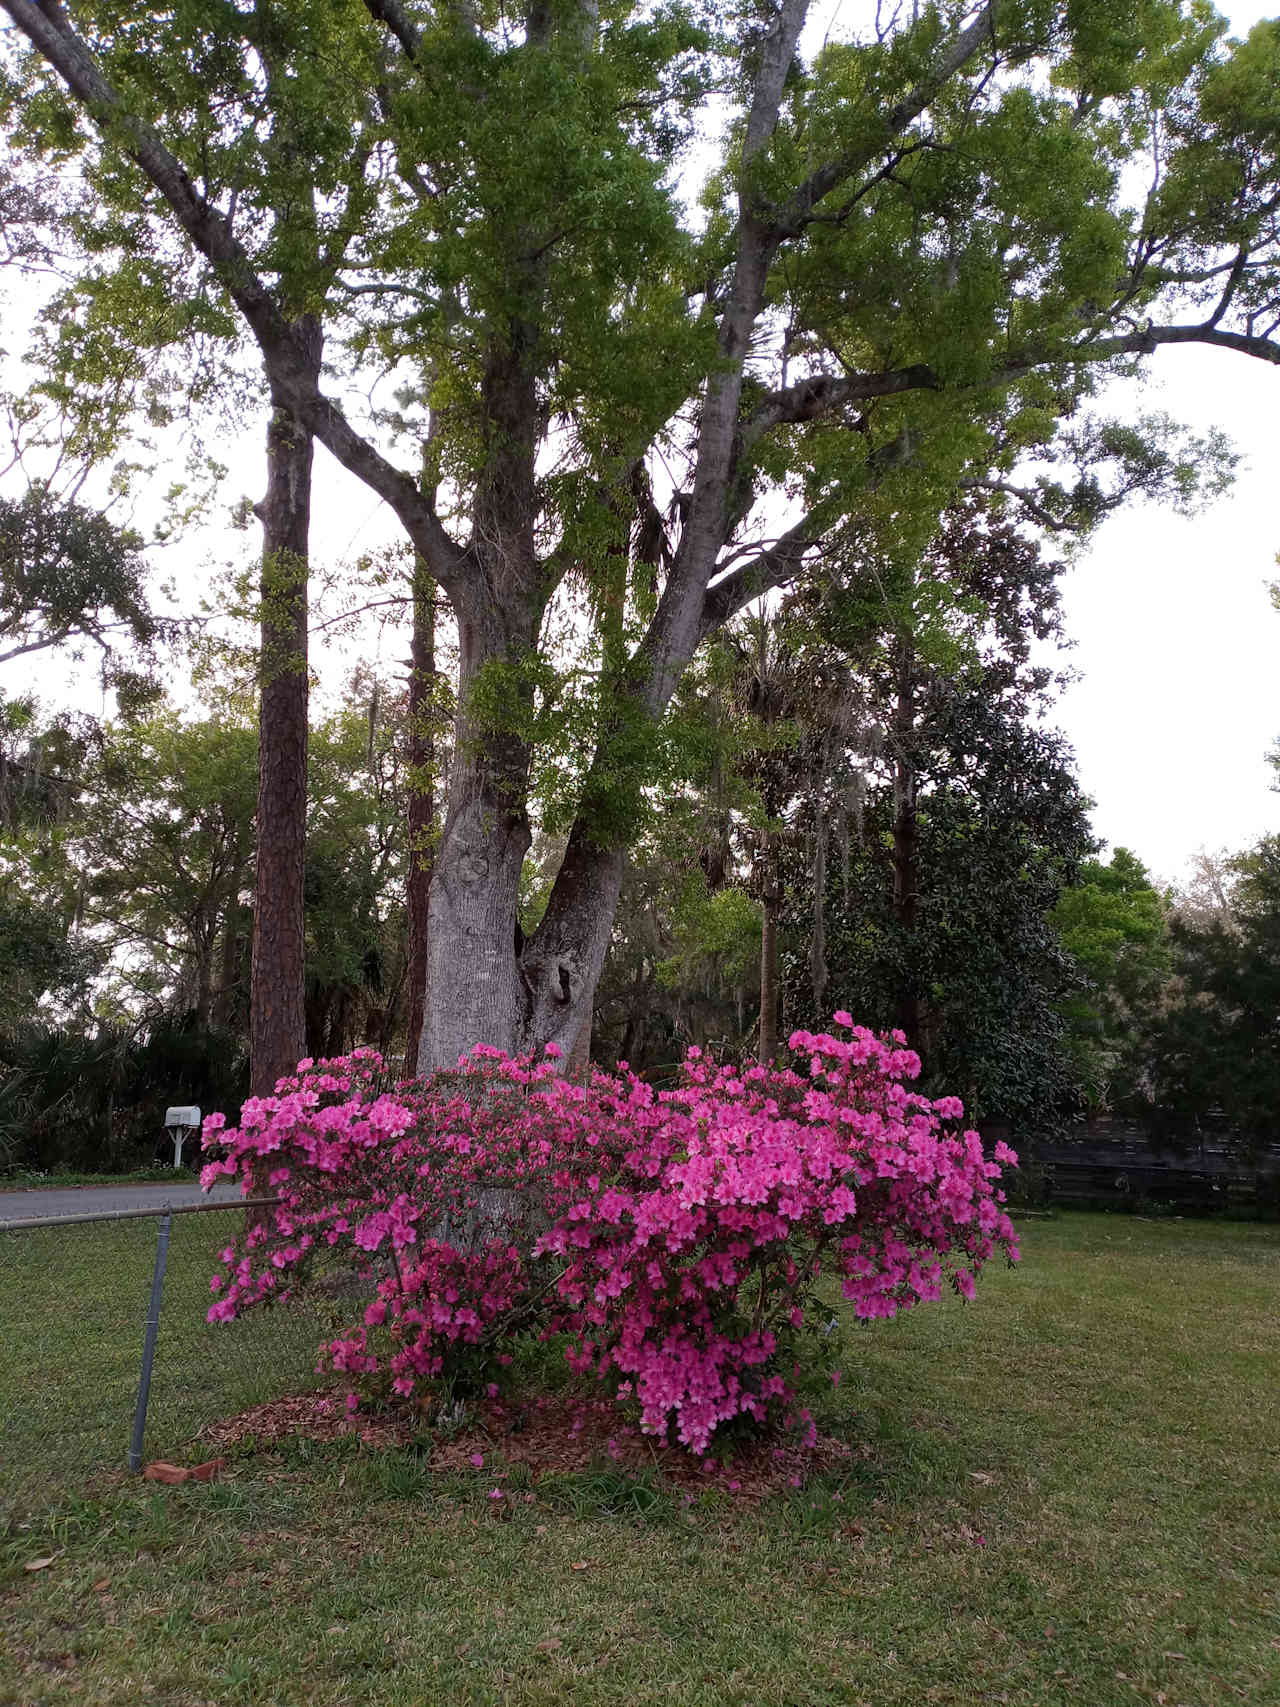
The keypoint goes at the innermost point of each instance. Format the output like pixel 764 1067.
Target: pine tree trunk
pixel 906 837
pixel 422 803
pixel 276 1011
pixel 818 940
pixel 769 957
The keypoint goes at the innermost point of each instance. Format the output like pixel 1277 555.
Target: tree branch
pixel 794 214
pixel 770 568
pixel 1029 501
pixel 821 394
pixel 1148 339
pixel 283 358
pixel 705 525
pixel 396 19
pixel 40 644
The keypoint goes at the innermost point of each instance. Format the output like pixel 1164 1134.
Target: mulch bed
pixel 552 1434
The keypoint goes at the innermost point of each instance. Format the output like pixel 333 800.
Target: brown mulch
pixel 549 1434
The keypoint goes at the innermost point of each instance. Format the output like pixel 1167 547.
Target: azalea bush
pixel 676 1238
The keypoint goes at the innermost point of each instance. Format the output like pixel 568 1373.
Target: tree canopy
pixel 919 252
pixel 67 573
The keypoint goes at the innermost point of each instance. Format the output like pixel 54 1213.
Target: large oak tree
pixel 920 251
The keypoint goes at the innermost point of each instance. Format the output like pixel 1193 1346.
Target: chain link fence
pixel 76 1298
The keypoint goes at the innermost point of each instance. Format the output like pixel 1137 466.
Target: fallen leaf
pixel 102 1584
pixel 169 1474
pixel 206 1472
pixel 581 1565
pixel 983 1476
pixel 549 1646
pixel 43 1564
pixel 1171 1654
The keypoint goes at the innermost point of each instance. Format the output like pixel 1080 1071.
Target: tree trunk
pixel 316 1011
pixel 769 955
pixel 276 1005
pixel 485 985
pixel 818 940
pixel 228 976
pixel 234 921
pixel 906 836
pixel 472 964
pixel 204 977
pixel 561 964
pixel 422 803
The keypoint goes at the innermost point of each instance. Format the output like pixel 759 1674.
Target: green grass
pixel 73 1309
pixel 30 1179
pixel 1065 1493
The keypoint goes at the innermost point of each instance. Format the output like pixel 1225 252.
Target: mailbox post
pixel 178 1122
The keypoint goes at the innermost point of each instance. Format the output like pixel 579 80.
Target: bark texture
pixel 422 802
pixel 277 1018
pixel 906 834
pixel 771 901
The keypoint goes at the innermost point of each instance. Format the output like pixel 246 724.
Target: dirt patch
pixel 553 1434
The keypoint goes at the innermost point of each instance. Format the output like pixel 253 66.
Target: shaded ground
pixel 552 1435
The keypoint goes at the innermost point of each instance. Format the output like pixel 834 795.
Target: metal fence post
pixel 149 1342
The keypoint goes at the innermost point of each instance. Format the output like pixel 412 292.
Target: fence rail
pixel 106 1357
pixel 21 1221
pixel 1121 1166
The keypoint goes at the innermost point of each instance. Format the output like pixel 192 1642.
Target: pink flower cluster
pixel 676 1237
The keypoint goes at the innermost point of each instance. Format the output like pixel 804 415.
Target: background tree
pixel 999 829
pixel 164 849
pixel 143 329
pixel 67 573
pixel 1112 922
pixel 1213 1053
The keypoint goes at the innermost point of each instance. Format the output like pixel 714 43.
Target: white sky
pixel 1175 636
pixel 1176 641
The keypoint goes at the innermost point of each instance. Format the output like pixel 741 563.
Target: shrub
pixel 96 1100
pixel 676 1237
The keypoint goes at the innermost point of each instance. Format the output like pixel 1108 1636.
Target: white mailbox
pixel 177 1123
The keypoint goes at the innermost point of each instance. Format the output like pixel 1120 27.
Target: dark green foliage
pixel 1002 828
pixel 1112 922
pixel 1214 1053
pixel 96 1102
pixel 126 860
pixel 38 956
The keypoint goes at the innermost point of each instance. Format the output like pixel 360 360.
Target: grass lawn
pixel 1065 1493
pixel 73 1309
pixel 30 1179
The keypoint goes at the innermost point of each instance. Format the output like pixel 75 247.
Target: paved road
pixel 103 1199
